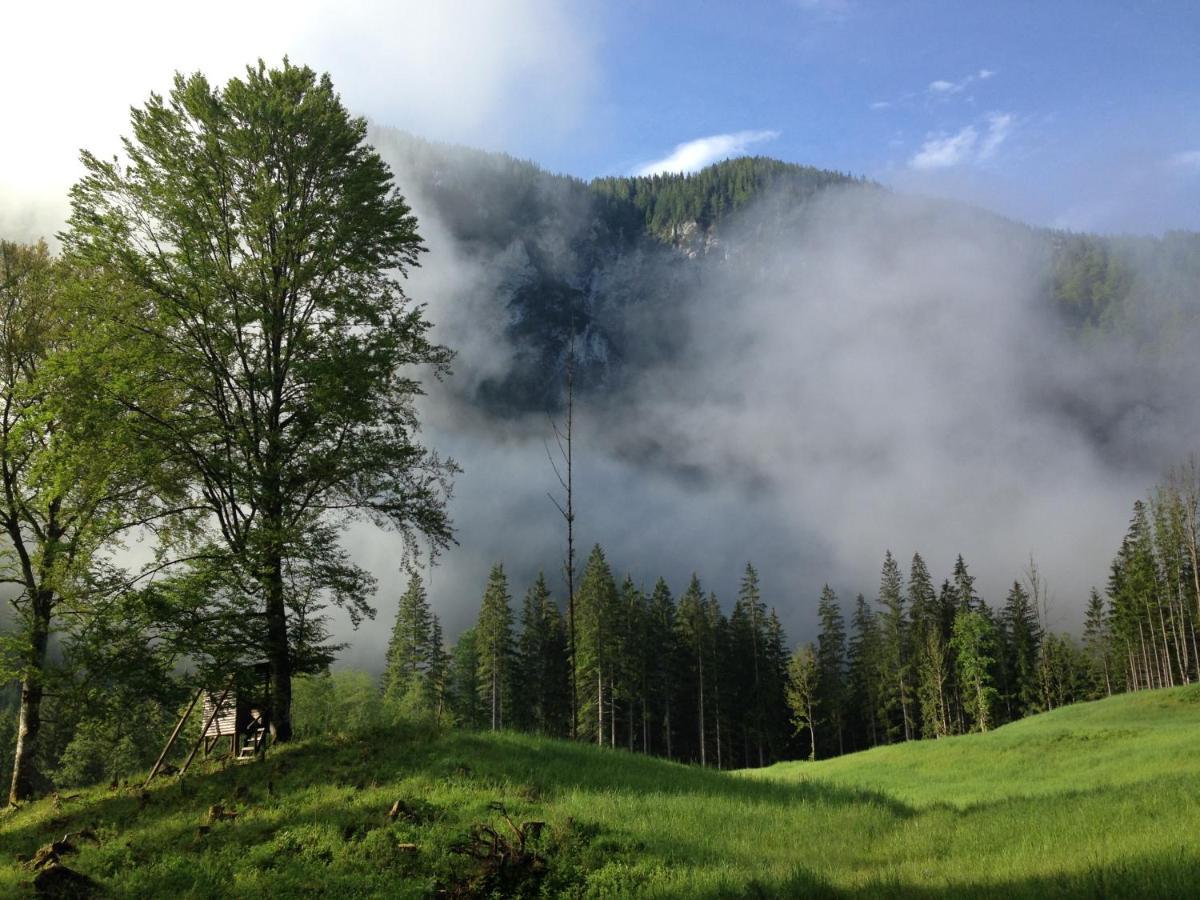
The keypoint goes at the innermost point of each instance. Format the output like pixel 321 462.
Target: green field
pixel 1096 800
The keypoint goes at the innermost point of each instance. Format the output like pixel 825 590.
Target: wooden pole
pixel 174 734
pixel 204 731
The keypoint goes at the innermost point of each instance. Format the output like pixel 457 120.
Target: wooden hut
pixel 237 711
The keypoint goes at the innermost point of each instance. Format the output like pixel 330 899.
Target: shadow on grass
pixel 1163 875
pixel 345 778
pixel 560 766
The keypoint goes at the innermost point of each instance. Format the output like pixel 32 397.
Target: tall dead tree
pixel 563 438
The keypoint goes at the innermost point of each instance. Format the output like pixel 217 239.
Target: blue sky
pixel 1083 115
pixel 1077 114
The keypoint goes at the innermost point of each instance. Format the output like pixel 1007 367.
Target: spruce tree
pixel 964 585
pixel 532 664
pixel 494 647
pixel 720 652
pixel 748 632
pixel 930 663
pixel 1023 639
pixel 775 687
pixel 664 668
pixel 695 637
pixel 596 646
pixel 864 656
pixel 437 675
pixel 831 669
pixel 634 669
pixel 1097 643
pixel 462 681
pixel 893 633
pixel 408 652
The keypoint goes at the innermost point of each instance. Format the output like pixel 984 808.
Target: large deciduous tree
pixel 66 493
pixel 262 339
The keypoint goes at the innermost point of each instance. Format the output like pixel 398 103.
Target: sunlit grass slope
pixel 1097 800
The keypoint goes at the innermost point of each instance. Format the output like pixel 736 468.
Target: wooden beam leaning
pixel 171 741
pixel 207 725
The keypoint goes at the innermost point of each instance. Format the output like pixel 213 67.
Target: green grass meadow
pixel 1095 800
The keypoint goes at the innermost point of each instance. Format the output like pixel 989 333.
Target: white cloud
pixel 967 145
pixel 695 155
pixel 881 104
pixel 1185 159
pixel 473 72
pixel 999 127
pixel 943 88
pixel 943 151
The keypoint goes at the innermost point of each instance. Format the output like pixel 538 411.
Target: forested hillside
pixel 610 258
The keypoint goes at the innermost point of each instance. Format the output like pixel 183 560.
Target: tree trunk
pixel 632 704
pixel 278 655
pixel 667 729
pixel 645 727
pixel 599 708
pixel 24 774
pixel 703 761
pixel 717 717
pixel 612 712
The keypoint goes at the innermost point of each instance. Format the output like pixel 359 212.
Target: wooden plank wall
pixel 225 723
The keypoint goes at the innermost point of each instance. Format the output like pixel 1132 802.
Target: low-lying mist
pixel 868 371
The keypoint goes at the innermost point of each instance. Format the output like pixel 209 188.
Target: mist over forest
pixel 524 449
pixel 790 366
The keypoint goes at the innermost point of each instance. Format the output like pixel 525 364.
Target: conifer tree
pixel 462 681
pixel 408 653
pixel 494 647
pixel 922 599
pixel 635 653
pixel 831 668
pixel 664 667
pixel 748 633
pixel 596 645
pixel 437 675
pixel 537 661
pixel 930 667
pixel 948 606
pixel 1097 644
pixel 693 624
pixel 1023 640
pixel 775 687
pixel 964 585
pixel 894 661
pixel 1133 589
pixel 864 657
pixel 719 650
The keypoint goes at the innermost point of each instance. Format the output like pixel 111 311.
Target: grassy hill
pixel 1096 800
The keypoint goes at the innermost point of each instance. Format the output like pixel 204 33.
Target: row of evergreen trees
pixel 1146 638
pixel 677 678
pixel 926 662
pixel 681 678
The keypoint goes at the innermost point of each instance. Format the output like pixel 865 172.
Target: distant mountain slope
pixel 614 261
pixel 1099 799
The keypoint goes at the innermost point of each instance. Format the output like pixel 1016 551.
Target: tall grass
pixel 1100 799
